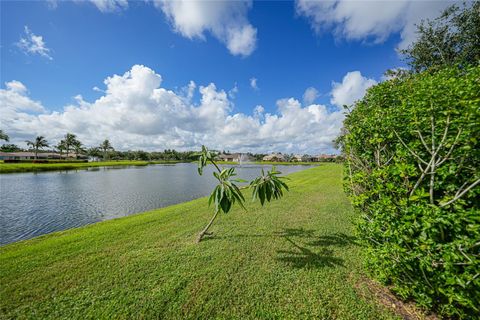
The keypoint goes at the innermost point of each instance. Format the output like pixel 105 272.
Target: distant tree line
pixel 105 151
pixel 70 144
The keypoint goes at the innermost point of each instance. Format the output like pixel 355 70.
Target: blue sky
pixel 286 46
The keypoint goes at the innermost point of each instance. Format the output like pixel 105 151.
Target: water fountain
pixel 243 158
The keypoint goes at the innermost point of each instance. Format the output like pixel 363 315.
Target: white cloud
pixel 232 93
pixel 352 88
pixel 375 20
pixel 225 20
pixel 137 112
pixel 15 98
pixel 310 95
pixel 17 108
pixel 110 5
pixel 30 43
pixel 104 6
pixel 258 111
pixel 97 89
pixel 253 83
pixel 52 4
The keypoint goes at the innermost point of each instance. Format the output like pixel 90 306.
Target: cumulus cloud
pixel 253 83
pixel 352 88
pixel 135 112
pixel 14 98
pixel 31 43
pixel 375 20
pixel 225 20
pixel 310 95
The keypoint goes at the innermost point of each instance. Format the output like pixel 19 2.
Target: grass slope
pixel 31 167
pixel 295 258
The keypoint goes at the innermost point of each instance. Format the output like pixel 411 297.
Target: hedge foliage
pixel 412 151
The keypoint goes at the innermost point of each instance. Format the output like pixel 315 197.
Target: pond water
pixel 32 204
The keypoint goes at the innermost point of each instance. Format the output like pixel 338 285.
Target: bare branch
pixel 423 142
pixel 447 126
pixel 459 193
pixel 424 173
pixel 410 150
pixel 433 160
pixel 446 157
pixel 388 161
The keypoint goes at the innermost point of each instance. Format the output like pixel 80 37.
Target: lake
pixel 33 204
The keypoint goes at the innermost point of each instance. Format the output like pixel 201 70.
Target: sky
pixel 267 76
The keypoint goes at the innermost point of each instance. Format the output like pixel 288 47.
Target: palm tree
pixel 94 152
pixel 60 147
pixel 106 146
pixel 78 147
pixel 4 136
pixel 69 140
pixel 38 143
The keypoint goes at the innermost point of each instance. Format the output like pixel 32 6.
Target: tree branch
pixel 423 141
pixel 459 193
pixel 410 150
pixel 445 158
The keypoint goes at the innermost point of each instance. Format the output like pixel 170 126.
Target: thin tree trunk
pixel 204 231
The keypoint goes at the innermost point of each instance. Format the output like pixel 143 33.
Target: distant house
pixel 301 158
pixel 324 157
pixel 278 157
pixel 235 157
pixel 26 155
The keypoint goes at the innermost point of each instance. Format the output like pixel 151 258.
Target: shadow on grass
pixel 305 248
pixel 309 250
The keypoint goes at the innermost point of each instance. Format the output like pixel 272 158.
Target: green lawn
pixel 295 258
pixel 28 167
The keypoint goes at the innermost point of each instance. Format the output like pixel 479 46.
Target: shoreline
pixel 6 168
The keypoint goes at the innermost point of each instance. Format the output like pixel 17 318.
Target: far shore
pixel 38 167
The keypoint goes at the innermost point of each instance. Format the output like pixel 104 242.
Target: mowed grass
pixel 29 167
pixel 293 259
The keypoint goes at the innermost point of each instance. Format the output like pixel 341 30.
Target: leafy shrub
pixel 412 156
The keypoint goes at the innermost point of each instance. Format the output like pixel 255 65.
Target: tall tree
pixel 452 38
pixel 38 143
pixel 61 146
pixel 4 136
pixel 78 148
pixel 105 146
pixel 69 140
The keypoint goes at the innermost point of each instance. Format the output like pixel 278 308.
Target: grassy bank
pixel 295 259
pixel 35 167
pixel 32 167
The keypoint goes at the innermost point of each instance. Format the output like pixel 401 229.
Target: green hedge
pixel 412 156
